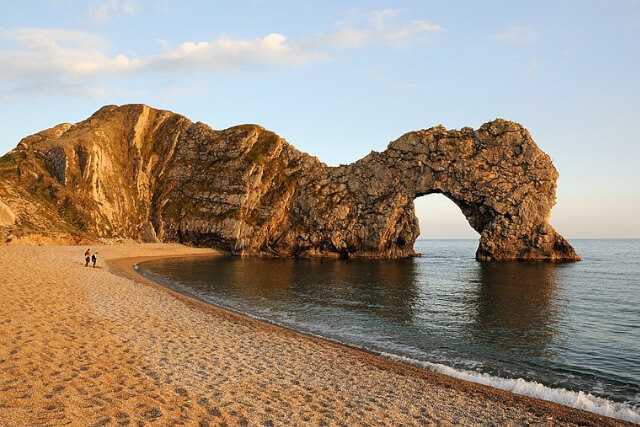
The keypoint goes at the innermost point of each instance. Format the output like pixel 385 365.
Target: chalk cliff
pixel 140 173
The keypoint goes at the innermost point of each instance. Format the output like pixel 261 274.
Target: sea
pixel 568 332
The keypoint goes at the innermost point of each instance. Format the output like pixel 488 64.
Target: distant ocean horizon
pixel 566 332
pixel 476 239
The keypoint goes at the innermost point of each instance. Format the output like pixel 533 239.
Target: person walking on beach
pixel 94 258
pixel 87 257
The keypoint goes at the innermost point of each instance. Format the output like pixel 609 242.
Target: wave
pixel 579 400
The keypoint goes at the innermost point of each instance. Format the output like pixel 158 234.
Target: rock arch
pixel 498 177
pixel 136 172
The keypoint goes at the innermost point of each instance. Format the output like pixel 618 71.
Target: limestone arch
pixel 247 190
pixel 502 182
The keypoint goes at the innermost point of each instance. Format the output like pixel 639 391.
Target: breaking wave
pixel 579 400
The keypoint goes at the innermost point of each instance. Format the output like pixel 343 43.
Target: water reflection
pixel 383 288
pixel 507 305
pixel 561 325
pixel 516 308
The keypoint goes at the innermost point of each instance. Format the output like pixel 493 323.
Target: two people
pixel 88 257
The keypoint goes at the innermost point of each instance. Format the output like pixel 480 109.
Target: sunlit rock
pixel 140 173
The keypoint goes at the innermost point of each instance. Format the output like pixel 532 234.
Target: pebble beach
pixel 105 346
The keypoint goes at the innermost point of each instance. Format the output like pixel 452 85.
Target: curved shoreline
pixel 542 408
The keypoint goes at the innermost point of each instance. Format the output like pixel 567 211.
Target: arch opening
pixel 439 217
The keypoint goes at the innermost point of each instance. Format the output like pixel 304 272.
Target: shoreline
pixel 561 413
pixel 91 346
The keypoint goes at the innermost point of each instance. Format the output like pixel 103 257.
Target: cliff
pixel 134 172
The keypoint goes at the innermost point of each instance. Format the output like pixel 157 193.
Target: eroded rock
pixel 7 217
pixel 148 233
pixel 141 173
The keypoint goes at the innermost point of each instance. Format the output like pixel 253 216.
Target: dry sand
pixel 84 346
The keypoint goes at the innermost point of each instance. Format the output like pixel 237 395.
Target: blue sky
pixel 339 79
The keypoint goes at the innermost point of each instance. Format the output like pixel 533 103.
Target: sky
pixel 338 79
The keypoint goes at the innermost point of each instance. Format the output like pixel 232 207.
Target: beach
pixel 105 346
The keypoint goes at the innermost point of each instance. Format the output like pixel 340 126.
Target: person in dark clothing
pixel 94 258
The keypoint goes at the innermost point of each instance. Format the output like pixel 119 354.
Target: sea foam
pixel 579 400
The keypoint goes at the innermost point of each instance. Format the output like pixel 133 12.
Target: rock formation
pixel 7 217
pixel 140 173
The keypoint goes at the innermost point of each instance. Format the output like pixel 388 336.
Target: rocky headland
pixel 134 172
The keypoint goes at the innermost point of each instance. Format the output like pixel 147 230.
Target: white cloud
pixel 383 28
pixel 377 18
pixel 517 34
pixel 163 44
pixel 59 53
pixel 345 38
pixel 409 33
pixel 70 54
pixel 103 11
pixel 35 59
pixel 54 53
pixel 225 54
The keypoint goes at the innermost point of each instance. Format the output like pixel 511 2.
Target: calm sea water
pixel 563 332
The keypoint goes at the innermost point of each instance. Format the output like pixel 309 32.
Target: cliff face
pixel 140 173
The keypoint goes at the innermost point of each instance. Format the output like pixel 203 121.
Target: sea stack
pixel 134 172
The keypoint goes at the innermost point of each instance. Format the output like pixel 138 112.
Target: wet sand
pixel 105 346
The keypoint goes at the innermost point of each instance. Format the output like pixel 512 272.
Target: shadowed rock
pixel 136 172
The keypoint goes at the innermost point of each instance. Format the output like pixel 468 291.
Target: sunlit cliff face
pixel 140 173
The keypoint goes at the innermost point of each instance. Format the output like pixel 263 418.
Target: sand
pixel 84 346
